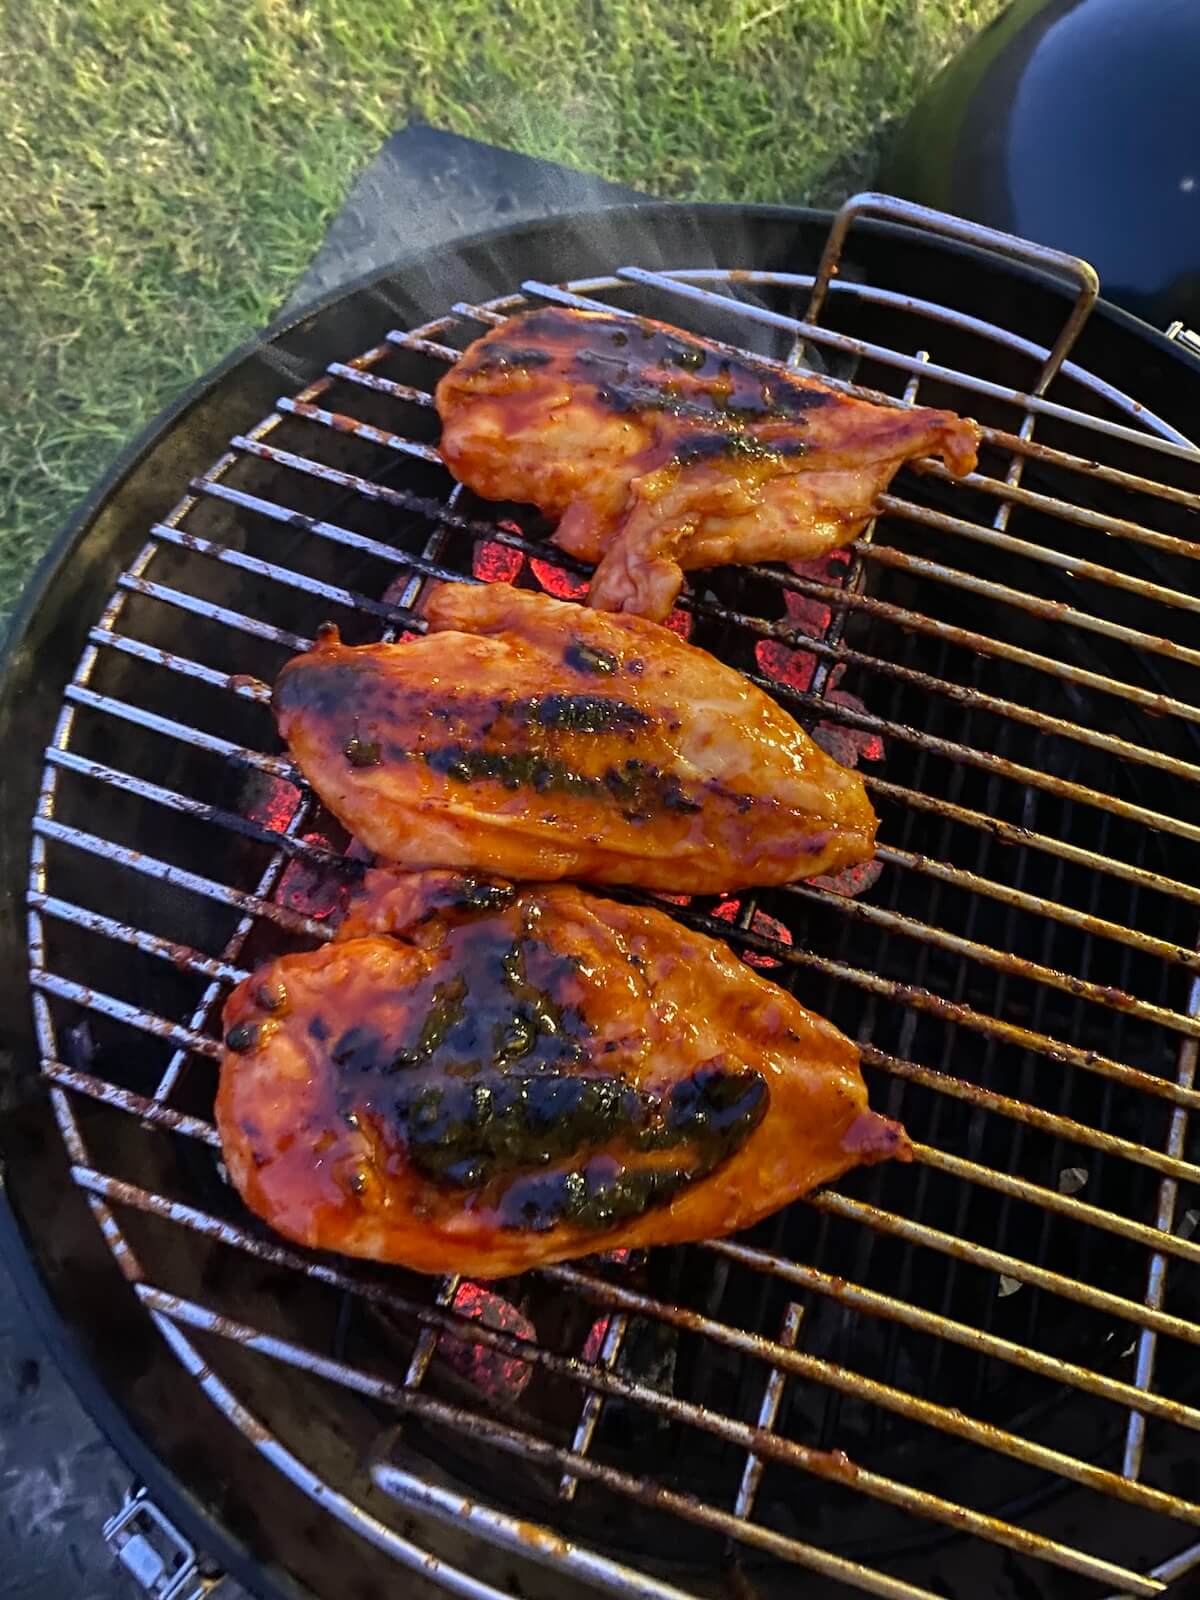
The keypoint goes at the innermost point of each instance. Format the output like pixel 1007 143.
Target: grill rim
pixel 44 615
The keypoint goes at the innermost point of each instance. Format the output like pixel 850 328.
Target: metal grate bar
pixel 274 766
pixel 920 999
pixel 1047 610
pixel 1051 1200
pixel 269 569
pixel 1011 493
pixel 424 346
pixel 1111 998
pixel 204 812
pixel 373 380
pixel 589 1413
pixel 979 1255
pixel 200 607
pixel 837 596
pixel 439 1320
pixel 92 999
pixel 1011 833
pixel 1064 1128
pixel 1156 1283
pixel 481 1427
pixel 872 1303
pixel 525 1538
pixel 340 423
pixel 838 1288
pixel 427 1340
pixel 296 519
pixel 900 1401
pixel 1044 257
pixel 180 877
pixel 768 1412
pixel 137 1105
pixel 960 693
pixel 1073 566
pixel 1020 900
pixel 423 1562
pixel 181 956
pixel 241 684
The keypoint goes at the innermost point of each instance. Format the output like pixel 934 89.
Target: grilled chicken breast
pixel 475 1078
pixel 660 452
pixel 539 739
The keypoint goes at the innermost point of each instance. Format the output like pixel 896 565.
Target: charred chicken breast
pixel 659 452
pixel 540 739
pixel 475 1078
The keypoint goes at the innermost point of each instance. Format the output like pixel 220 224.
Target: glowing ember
pixel 310 888
pixel 497 1375
pixel 274 804
pixel 594 1342
pixel 807 614
pixel 681 623
pixel 851 881
pixel 844 743
pixel 496 563
pixel 767 927
pixel 794 668
pixel 563 585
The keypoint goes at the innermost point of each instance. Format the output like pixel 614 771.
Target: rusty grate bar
pixel 1135 1396
pixel 531 1446
pixel 768 1412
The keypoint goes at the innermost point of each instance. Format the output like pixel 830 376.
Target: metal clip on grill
pixel 1011 661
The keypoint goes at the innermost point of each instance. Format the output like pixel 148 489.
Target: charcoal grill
pixel 976 1375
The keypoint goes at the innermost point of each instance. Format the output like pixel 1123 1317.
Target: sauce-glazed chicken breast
pixel 659 452
pixel 538 739
pixel 475 1078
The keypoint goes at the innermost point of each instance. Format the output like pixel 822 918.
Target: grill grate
pixel 942 1348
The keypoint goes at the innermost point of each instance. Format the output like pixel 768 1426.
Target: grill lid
pixel 950 1348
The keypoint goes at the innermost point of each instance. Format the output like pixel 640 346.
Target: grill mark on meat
pixel 641 788
pixel 579 713
pixel 660 371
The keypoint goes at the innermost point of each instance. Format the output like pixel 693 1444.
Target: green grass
pixel 169 166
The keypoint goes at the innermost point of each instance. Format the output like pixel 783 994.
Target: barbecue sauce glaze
pixel 517 1075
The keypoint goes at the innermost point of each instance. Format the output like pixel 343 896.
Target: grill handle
pixel 887 207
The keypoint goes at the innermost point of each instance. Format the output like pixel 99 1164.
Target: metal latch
pixel 1186 337
pixel 154 1552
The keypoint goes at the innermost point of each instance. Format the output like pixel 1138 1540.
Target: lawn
pixel 170 165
